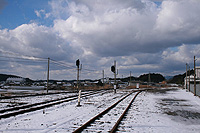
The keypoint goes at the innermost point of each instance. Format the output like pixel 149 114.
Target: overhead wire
pixel 58 63
pixel 28 59
pixel 62 62
pixel 33 59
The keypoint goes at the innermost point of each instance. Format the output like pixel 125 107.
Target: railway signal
pixel 78 63
pixel 113 69
pixel 48 75
pixel 78 69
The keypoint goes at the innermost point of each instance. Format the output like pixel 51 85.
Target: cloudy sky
pixel 157 36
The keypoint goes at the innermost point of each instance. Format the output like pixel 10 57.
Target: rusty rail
pixel 85 125
pixel 114 129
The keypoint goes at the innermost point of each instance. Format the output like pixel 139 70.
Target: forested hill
pixel 179 79
pixel 3 77
pixel 153 77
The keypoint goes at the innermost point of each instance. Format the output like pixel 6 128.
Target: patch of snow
pixel 172 111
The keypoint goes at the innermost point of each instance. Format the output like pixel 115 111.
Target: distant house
pixel 197 72
pixel 134 83
pixel 67 84
pixel 15 80
pixel 190 79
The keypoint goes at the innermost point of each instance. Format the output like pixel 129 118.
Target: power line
pixel 58 63
pixel 90 70
pixel 25 58
pixel 64 65
pixel 21 61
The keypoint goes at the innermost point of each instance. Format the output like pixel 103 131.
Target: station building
pixel 189 82
pixel 12 80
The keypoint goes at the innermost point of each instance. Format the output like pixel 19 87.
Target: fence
pixel 192 88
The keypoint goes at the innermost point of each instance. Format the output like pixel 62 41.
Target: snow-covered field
pixel 166 110
pixel 7 103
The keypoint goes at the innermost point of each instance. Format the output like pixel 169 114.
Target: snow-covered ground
pixel 165 110
pixel 175 111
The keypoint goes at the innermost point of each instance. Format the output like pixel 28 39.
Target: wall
pixel 197 88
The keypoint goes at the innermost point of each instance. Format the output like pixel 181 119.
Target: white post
pixel 137 85
pixel 115 84
pixel 130 79
pixel 194 77
pixel 103 78
pixel 186 77
pixel 79 98
pixel 48 75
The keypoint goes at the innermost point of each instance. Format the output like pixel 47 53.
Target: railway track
pixel 5 113
pixel 33 95
pixel 43 94
pixel 109 119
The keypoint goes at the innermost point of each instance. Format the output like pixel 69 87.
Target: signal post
pixel 78 69
pixel 113 69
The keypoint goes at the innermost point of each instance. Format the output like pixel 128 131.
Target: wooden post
pixel 189 78
pixel 103 78
pixel 130 79
pixel 77 79
pixel 115 85
pixel 186 77
pixel 48 75
pixel 194 77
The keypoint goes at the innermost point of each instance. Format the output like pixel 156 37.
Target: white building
pixel 197 72
pixel 191 77
pixel 15 80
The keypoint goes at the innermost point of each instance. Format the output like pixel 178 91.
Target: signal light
pixel 77 63
pixel 113 69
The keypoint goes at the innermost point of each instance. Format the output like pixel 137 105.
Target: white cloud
pixel 184 54
pixel 179 19
pixel 111 32
pixel 34 40
pixel 42 13
pixel 121 28
pixel 138 34
pixel 38 13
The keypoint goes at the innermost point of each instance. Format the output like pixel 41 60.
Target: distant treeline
pixel 152 77
pixel 3 77
pixel 179 79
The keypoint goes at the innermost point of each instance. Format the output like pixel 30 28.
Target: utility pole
pixel 103 78
pixel 130 79
pixel 79 96
pixel 77 78
pixel 48 75
pixel 115 85
pixel 77 64
pixel 194 77
pixel 149 80
pixel 186 77
pixel 113 69
pixel 189 78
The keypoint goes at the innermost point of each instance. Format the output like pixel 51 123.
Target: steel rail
pixel 32 95
pixel 41 94
pixel 114 129
pixel 34 104
pixel 37 106
pixel 85 125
